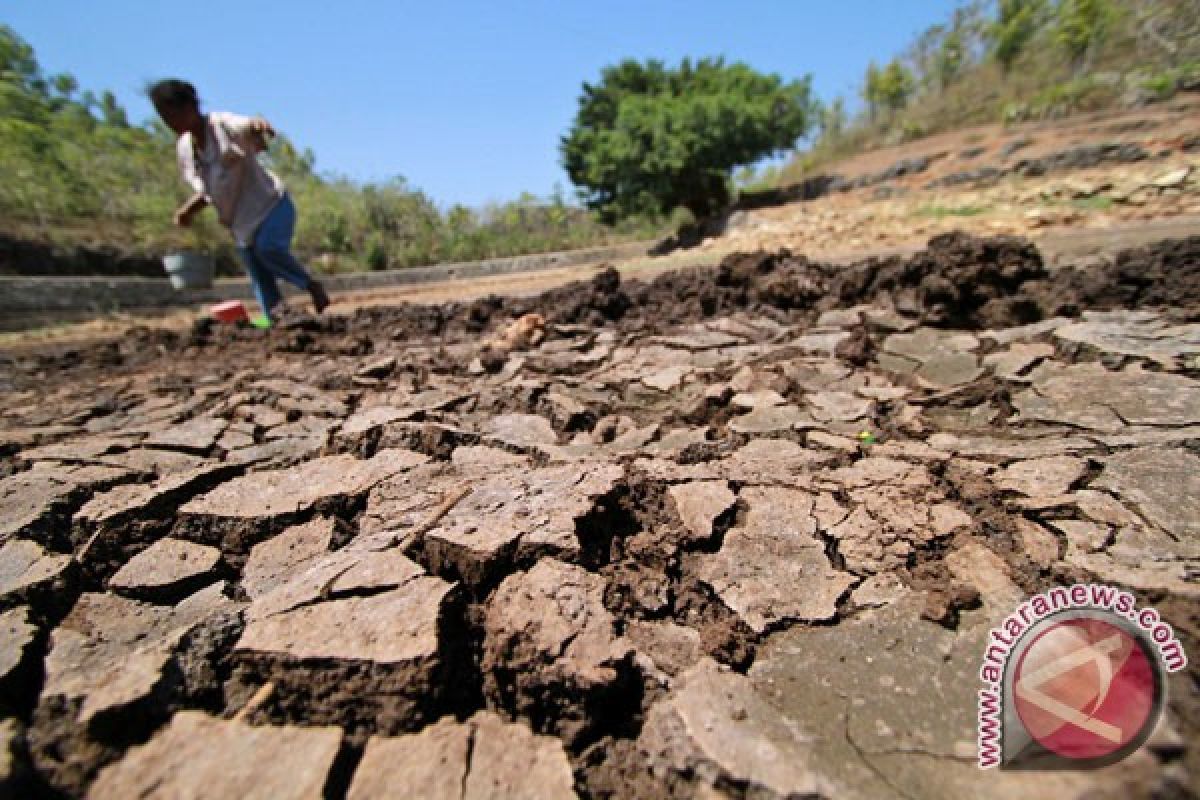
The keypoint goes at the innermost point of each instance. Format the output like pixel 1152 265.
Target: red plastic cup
pixel 229 311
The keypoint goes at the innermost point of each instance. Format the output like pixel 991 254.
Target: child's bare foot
pixel 320 297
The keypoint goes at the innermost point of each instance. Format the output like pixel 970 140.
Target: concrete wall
pixel 22 295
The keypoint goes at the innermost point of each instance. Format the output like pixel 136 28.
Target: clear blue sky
pixel 467 100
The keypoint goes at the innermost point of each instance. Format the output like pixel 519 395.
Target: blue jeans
pixel 269 256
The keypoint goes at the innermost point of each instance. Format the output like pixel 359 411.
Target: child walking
pixel 217 157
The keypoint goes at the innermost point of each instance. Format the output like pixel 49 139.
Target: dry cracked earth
pixel 367 556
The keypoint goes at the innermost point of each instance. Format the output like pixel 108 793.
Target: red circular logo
pixel 1084 688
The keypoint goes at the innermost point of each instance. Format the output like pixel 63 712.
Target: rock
pixel 772 568
pixel 520 431
pixel 667 379
pixel 196 755
pixel 713 728
pixel 485 757
pixel 699 504
pixel 1042 477
pixel 550 643
pixel 194 436
pixel 272 562
pixel 290 491
pixel 167 571
pixel 31 575
pixel 1163 484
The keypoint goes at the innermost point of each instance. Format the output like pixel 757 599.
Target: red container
pixel 230 311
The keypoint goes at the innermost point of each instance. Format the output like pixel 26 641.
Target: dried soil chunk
pixel 1129 397
pixel 521 431
pixel 517 514
pixel 357 640
pixel 119 505
pixel 115 668
pixel 770 419
pixel 714 729
pixel 29 574
pixel 295 489
pixel 1164 484
pixel 17 654
pixel 1042 477
pixel 550 644
pixel 889 700
pixel 272 562
pixel 482 758
pixel 201 756
pixel 194 436
pixel 32 501
pixel 1142 337
pixel 673 648
pixel 773 567
pixel 1011 363
pixel 699 504
pixel 167 571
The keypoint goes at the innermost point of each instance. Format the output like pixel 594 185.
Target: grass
pixel 1096 203
pixel 941 212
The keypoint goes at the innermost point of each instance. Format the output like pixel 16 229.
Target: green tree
pixel 833 120
pixel 648 139
pixel 1016 23
pixel 1083 25
pixel 951 57
pixel 888 88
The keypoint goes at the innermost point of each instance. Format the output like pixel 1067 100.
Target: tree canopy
pixel 648 138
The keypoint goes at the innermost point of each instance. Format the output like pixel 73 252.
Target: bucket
pixel 188 270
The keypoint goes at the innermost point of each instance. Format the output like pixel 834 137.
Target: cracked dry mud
pixel 651 557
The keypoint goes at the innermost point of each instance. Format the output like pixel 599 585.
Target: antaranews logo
pixel 1074 678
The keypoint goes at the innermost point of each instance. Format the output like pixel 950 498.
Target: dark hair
pixel 172 94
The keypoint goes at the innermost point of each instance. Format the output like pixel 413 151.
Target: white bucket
pixel 189 270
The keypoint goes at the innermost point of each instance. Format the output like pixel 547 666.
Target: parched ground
pixel 649 556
